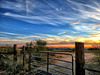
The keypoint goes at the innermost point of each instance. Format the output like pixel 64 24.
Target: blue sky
pixel 55 21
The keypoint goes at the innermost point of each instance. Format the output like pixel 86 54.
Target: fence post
pixel 15 52
pixel 47 63
pixel 24 56
pixel 29 61
pixel 79 58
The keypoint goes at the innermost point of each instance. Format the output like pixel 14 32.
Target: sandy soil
pixel 88 59
pixel 88 56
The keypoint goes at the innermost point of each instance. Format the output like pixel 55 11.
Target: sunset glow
pixel 69 45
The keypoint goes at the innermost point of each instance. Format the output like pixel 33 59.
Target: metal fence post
pixel 79 58
pixel 72 65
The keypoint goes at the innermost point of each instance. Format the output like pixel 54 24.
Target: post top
pixel 79 42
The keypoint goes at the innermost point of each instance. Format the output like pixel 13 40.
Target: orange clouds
pixel 75 22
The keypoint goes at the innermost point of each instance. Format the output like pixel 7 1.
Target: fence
pixel 14 52
pixel 33 57
pixel 13 62
pixel 50 70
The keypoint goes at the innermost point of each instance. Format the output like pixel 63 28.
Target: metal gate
pixel 42 64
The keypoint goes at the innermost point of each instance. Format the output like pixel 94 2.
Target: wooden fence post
pixel 29 61
pixel 24 56
pixel 15 52
pixel 79 58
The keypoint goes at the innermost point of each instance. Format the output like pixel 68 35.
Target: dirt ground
pixel 88 56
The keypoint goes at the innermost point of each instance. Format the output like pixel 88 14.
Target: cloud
pixel 38 11
pixel 97 25
pixel 87 10
pixel 31 19
pixel 94 36
pixel 41 19
pixel 9 33
pixel 51 5
pixel 94 26
pixel 28 37
pixel 53 17
pixel 6 40
pixel 83 28
pixel 76 22
pixel 16 6
pixel 61 33
pixel 52 39
pixel 68 32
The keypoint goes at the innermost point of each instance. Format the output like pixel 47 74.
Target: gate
pixel 42 65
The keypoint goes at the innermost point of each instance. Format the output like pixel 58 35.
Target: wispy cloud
pixel 68 32
pixel 48 16
pixel 51 5
pixel 83 28
pixel 41 19
pixel 97 25
pixel 77 22
pixel 5 40
pixel 9 33
pixel 91 12
pixel 27 8
pixel 16 6
pixel 28 37
pixel 52 39
pixel 61 33
pixel 94 26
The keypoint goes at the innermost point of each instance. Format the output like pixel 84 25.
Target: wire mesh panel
pixel 50 63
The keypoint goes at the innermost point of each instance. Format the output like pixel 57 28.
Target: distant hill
pixel 60 47
pixel 65 47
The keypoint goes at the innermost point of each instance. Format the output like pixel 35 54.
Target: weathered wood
pixel 90 67
pixel 15 52
pixel 24 56
pixel 79 58
pixel 29 66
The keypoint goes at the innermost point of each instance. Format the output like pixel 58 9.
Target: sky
pixel 59 22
